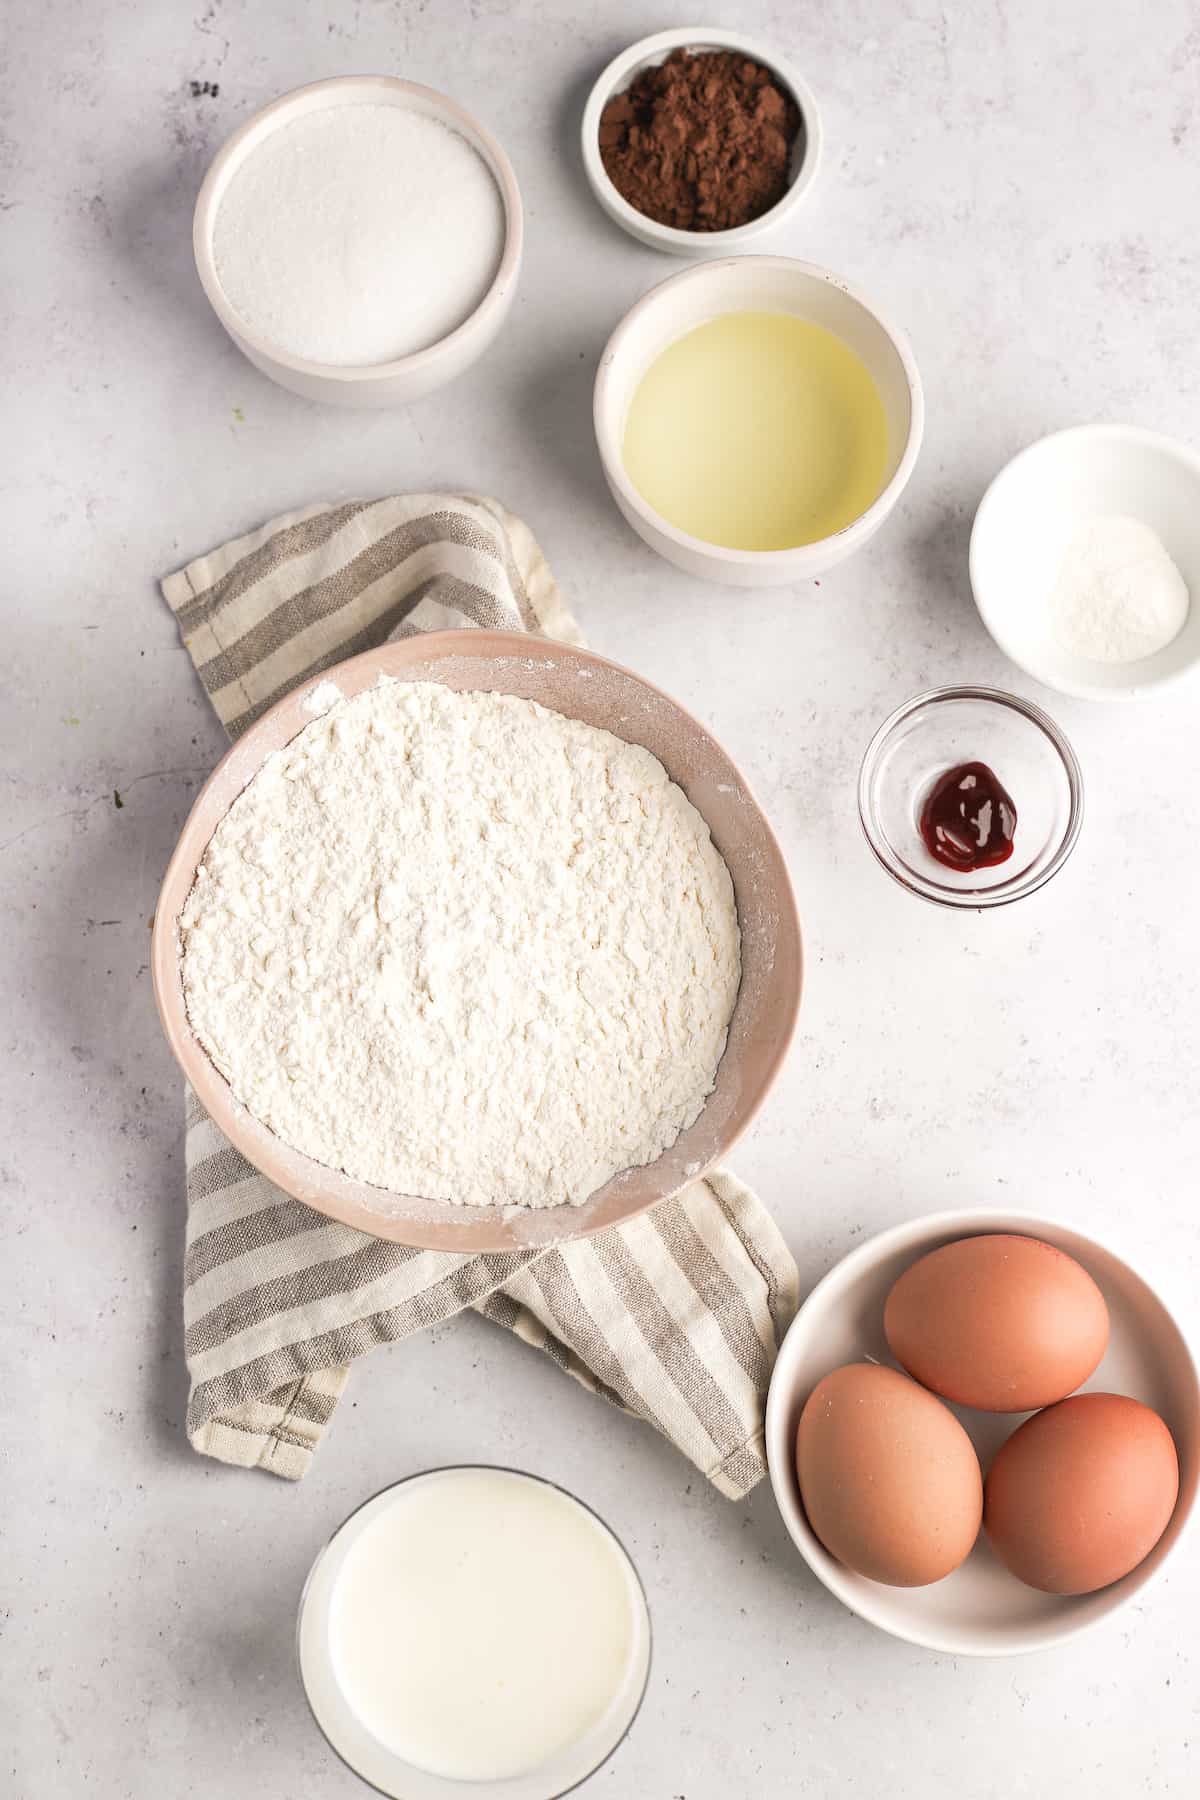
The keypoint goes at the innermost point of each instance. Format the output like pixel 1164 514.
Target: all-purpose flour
pixel 462 947
pixel 359 233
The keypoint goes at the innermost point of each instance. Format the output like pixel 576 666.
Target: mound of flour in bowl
pixel 462 947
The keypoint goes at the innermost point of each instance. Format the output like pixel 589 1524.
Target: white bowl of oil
pixel 757 419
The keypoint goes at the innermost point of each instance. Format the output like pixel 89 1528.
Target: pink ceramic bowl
pixel 581 686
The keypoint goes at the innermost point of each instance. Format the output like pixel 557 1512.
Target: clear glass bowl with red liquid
pixel 970 797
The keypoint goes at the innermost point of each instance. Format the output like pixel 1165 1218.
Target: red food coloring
pixel 968 820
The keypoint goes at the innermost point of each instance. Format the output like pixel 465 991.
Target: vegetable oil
pixel 757 431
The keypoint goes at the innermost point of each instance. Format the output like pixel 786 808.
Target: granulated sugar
pixel 357 234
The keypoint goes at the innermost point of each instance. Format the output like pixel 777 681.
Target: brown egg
pixel 1080 1493
pixel 889 1479
pixel 1002 1323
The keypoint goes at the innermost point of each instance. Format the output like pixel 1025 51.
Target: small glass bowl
pixel 1029 754
pixel 392 1775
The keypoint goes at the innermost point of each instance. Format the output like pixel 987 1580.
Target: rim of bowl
pixel 454 1469
pixel 798 555
pixel 971 899
pixel 1076 689
pixel 613 80
pixel 965 1220
pixel 231 153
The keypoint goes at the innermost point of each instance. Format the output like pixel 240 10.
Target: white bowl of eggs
pixel 983 1432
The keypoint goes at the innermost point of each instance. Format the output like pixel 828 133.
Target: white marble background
pixel 1019 183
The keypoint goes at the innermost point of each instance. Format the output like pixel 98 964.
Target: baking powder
pixel 1119 596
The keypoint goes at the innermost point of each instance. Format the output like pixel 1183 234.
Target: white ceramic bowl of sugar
pixel 981 1609
pixel 397 380
pixel 1036 506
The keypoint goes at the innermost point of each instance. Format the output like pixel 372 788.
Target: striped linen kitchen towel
pixel 675 1316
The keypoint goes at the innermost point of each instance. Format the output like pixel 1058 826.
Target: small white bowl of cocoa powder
pixel 697 141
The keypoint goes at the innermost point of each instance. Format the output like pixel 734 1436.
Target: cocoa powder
pixel 703 142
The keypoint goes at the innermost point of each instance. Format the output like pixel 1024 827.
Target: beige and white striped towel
pixel 675 1316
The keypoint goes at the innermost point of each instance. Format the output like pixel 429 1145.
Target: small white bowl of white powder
pixel 360 240
pixel 1085 561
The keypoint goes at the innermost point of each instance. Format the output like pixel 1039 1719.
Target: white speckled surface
pixel 1017 182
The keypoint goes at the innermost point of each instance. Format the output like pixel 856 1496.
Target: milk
pixel 476 1624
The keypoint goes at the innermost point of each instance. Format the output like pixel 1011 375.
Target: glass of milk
pixel 471 1628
